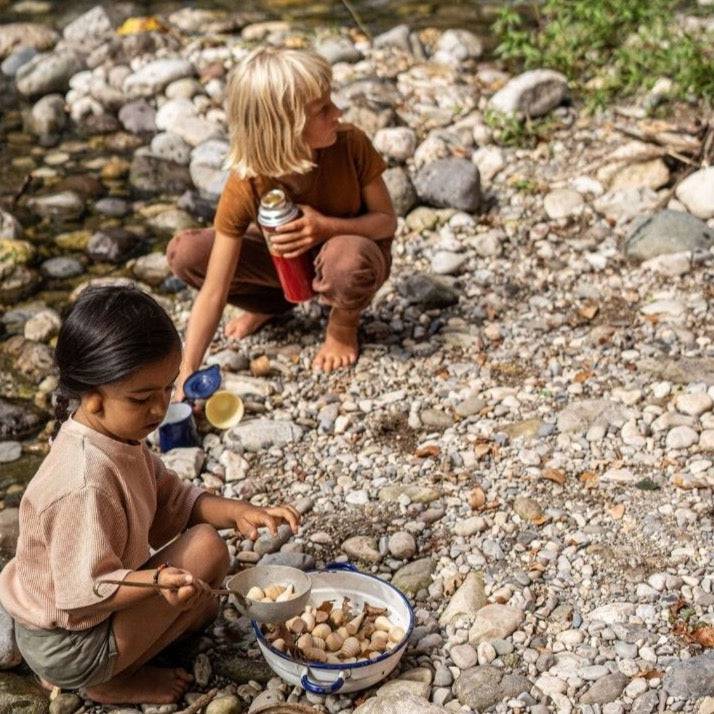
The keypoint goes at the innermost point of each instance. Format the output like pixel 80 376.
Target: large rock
pixel 259 434
pixel 151 79
pixel 414 576
pixel 47 73
pixel 482 687
pixel 48 116
pixel 362 548
pixel 532 93
pixel 401 190
pixel 185 461
pixel 206 168
pixel 692 678
pixel 667 232
pixel 20 695
pixel 14 35
pixel 450 183
pixel 399 703
pixel 91 25
pixel 494 622
pixel 466 601
pixel 606 689
pixel 151 175
pixel 696 192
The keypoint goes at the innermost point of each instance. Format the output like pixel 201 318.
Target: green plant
pixel 510 130
pixel 608 47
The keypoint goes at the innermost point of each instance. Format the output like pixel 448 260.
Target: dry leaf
pixel 476 498
pixel 428 450
pixel 555 475
pixel 588 479
pixel 582 376
pixel 137 25
pixel 704 636
pixel 617 511
pixel 650 674
pixel 588 310
pixel 260 366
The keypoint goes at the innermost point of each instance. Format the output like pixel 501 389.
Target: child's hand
pixel 248 518
pixel 183 591
pixel 295 238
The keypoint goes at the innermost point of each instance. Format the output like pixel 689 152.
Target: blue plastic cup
pixel 178 429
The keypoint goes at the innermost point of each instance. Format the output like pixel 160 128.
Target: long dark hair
pixel 109 333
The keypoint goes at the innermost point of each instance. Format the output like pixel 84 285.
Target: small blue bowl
pixel 203 383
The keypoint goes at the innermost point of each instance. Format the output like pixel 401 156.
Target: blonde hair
pixel 267 99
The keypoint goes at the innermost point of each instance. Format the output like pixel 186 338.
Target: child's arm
pixel 231 513
pixel 208 306
pixel 313 228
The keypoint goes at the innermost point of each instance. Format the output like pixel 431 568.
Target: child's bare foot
pixel 340 348
pixel 148 685
pixel 245 324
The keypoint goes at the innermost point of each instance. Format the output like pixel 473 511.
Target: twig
pixel 25 184
pixel 356 18
pixel 203 701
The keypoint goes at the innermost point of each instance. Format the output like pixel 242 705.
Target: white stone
pixel 186 462
pixel 694 404
pixel 681 437
pixel 696 192
pixel 489 161
pixel 612 613
pixel 562 202
pixel 532 93
pixel 151 78
pixel 397 142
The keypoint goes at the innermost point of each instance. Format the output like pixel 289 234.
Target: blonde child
pixel 285 132
pixel 97 504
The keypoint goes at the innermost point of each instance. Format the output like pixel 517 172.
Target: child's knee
pixel 210 553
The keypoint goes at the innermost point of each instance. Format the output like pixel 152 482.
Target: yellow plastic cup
pixel 224 409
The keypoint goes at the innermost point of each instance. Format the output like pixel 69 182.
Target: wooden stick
pixel 203 701
pixel 153 586
pixel 356 18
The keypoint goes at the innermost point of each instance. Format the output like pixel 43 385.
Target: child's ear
pixel 94 402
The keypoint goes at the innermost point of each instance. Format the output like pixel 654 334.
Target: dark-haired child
pixel 101 500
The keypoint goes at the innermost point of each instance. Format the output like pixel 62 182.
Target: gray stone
pixel 450 183
pixel 396 142
pixel 482 687
pixel 612 613
pixel 151 79
pixel 562 202
pixel 48 116
pixel 696 192
pixel 646 703
pixel 65 703
pixel 532 93
pixel 445 262
pixel 66 206
pixel 606 689
pixel 9 654
pixel 62 267
pixel 138 117
pixel 260 434
pixel 152 269
pixel 681 437
pixel 151 175
pixel 16 35
pixel 457 46
pixel 396 37
pixel 171 147
pixel 18 422
pixel 528 509
pixel 111 206
pixel 362 548
pixel 494 622
pixel 47 73
pixel 399 703
pixel 402 545
pixel 692 678
pixel 470 406
pixel 10 227
pixel 463 656
pixel 466 601
pixel 10 451
pixel 434 419
pixel 186 461
pixel 667 232
pixel 414 576
pixel 93 24
pixel 113 245
pixel 429 292
pixel 580 416
pixel 338 49
pixel 401 190
pixel 17 59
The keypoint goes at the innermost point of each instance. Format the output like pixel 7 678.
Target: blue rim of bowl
pixel 203 383
pixel 344 665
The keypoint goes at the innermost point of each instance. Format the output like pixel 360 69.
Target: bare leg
pixel 145 629
pixel 245 324
pixel 340 348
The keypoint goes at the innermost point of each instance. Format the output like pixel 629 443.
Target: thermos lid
pixel 201 384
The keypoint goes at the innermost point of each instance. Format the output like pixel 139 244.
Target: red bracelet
pixel 158 570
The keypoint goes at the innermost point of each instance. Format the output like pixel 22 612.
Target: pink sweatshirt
pixel 91 511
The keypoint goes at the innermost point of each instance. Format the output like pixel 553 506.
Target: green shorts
pixel 70 659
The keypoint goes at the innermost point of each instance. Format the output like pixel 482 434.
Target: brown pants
pixel 349 269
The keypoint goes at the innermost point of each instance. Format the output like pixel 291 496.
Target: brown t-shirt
pixel 333 187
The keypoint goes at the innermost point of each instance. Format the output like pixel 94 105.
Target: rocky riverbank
pixel 525 446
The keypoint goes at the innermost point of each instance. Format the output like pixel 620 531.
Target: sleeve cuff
pixel 90 598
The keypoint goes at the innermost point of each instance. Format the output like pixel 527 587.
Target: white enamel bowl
pixel 336 583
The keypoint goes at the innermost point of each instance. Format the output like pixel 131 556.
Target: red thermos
pixel 295 274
